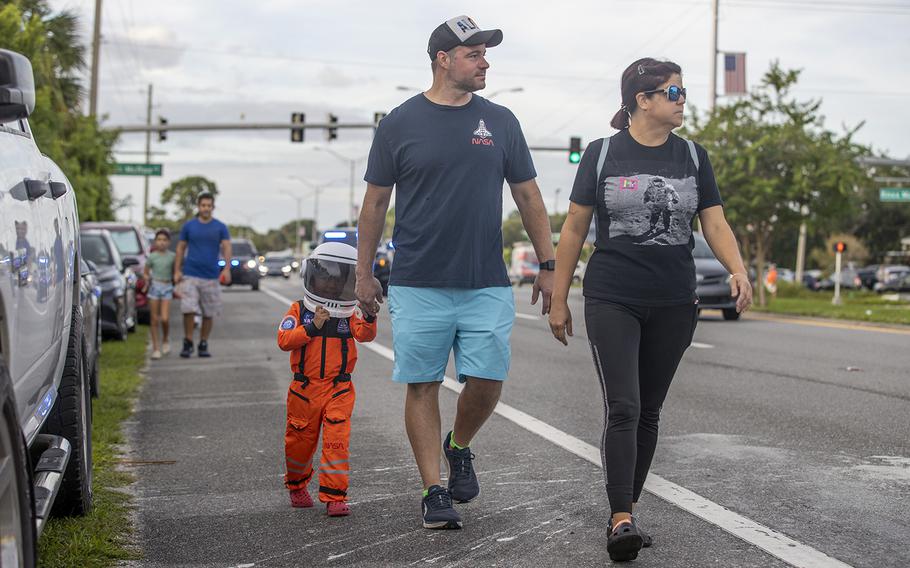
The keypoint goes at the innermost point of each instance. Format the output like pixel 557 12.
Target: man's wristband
pixel 737 274
pixel 547 265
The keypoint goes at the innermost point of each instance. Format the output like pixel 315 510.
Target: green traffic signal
pixel 574 150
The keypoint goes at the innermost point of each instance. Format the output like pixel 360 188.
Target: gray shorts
pixel 200 294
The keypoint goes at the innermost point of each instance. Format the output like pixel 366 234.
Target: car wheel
pixel 71 417
pixel 730 314
pixel 94 386
pixel 17 533
pixel 255 285
pixel 122 326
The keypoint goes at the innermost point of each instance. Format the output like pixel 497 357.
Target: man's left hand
pixel 543 285
pixel 226 274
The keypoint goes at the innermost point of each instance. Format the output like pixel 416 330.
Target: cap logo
pixel 463 27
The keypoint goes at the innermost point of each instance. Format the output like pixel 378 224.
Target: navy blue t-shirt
pixel 203 247
pixel 644 203
pixel 448 165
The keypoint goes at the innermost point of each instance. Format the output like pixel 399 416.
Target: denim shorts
pixel 429 323
pixel 159 290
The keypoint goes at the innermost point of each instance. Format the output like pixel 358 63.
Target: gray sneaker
pixel 463 483
pixel 438 512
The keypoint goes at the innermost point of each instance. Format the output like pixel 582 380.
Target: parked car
pixel 244 264
pixel 45 403
pixel 382 262
pixel 131 242
pixel 849 279
pixel 279 264
pixel 711 281
pixel 889 276
pixel 90 300
pixel 899 283
pixel 524 265
pixel 867 276
pixel 117 280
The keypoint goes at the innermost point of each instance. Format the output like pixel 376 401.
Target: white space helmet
pixel 328 279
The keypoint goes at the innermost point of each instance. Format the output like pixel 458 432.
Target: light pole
pixel 299 200
pixel 556 200
pixel 317 189
pixel 499 92
pixel 352 163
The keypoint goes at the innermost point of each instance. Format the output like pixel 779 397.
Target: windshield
pixel 126 241
pixel 278 260
pixel 242 249
pixel 701 250
pixel 95 249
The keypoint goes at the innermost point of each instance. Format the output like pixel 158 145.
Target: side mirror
pixel 129 261
pixel 92 267
pixel 17 86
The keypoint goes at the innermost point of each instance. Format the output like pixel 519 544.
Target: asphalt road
pixel 800 428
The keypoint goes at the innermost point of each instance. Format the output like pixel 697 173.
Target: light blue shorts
pixel 428 323
pixel 159 290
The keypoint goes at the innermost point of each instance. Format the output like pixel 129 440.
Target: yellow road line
pixel 828 324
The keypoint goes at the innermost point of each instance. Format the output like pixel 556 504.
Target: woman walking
pixel 642 186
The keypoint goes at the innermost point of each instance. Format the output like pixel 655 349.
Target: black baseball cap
pixel 460 31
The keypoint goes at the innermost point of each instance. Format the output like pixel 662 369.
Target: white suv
pixel 45 402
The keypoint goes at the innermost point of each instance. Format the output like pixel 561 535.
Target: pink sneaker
pixel 337 509
pixel 301 498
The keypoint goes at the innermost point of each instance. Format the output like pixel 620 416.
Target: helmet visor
pixel 329 279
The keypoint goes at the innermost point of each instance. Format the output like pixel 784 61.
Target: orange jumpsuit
pixel 321 395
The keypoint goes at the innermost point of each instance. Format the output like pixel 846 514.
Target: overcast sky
pixel 226 61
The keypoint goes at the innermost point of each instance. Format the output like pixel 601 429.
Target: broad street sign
pixel 137 169
pixel 894 194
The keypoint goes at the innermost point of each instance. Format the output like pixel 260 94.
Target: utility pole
pixel 148 156
pixel 556 200
pixel 96 57
pixel 801 247
pixel 712 93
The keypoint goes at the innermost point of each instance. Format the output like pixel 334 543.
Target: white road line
pixel 698 345
pixel 771 541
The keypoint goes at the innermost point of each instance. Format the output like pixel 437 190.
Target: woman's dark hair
pixel 164 232
pixel 643 75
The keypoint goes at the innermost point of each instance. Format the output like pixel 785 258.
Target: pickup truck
pixel 45 396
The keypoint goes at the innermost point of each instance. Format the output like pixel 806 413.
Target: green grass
pixel 857 306
pixel 103 537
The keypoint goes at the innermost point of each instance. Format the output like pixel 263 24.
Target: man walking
pixel 197 275
pixel 448 151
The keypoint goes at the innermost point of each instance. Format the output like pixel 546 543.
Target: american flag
pixel 735 73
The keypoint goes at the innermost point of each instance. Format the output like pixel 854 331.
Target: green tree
pixel 777 165
pixel 73 141
pixel 881 225
pixel 181 195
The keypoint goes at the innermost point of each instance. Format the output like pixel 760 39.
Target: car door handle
pixel 35 188
pixel 58 189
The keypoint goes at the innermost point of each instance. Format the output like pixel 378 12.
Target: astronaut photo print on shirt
pixel 651 210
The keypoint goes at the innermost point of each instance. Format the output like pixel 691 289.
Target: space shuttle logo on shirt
pixel 482 135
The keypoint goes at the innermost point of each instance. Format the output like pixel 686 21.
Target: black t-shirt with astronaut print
pixel 644 203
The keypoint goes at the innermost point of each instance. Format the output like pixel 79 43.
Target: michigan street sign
pixel 137 169
pixel 894 194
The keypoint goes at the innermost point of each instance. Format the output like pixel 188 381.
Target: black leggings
pixel 636 351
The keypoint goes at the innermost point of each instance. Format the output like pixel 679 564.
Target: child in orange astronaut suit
pixel 320 333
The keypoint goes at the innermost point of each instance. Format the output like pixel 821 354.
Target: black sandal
pixel 624 541
pixel 646 540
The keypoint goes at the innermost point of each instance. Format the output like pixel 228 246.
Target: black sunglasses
pixel 673 92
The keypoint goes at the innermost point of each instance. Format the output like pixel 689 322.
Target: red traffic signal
pixel 840 246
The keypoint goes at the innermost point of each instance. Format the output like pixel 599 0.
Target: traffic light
pixel 574 150
pixel 332 132
pixel 297 133
pixel 162 134
pixel 840 246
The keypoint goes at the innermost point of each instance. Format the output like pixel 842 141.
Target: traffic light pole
pixel 837 259
pixel 148 158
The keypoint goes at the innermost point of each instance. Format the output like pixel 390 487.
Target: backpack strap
pixel 603 158
pixel 692 152
pixel 299 375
